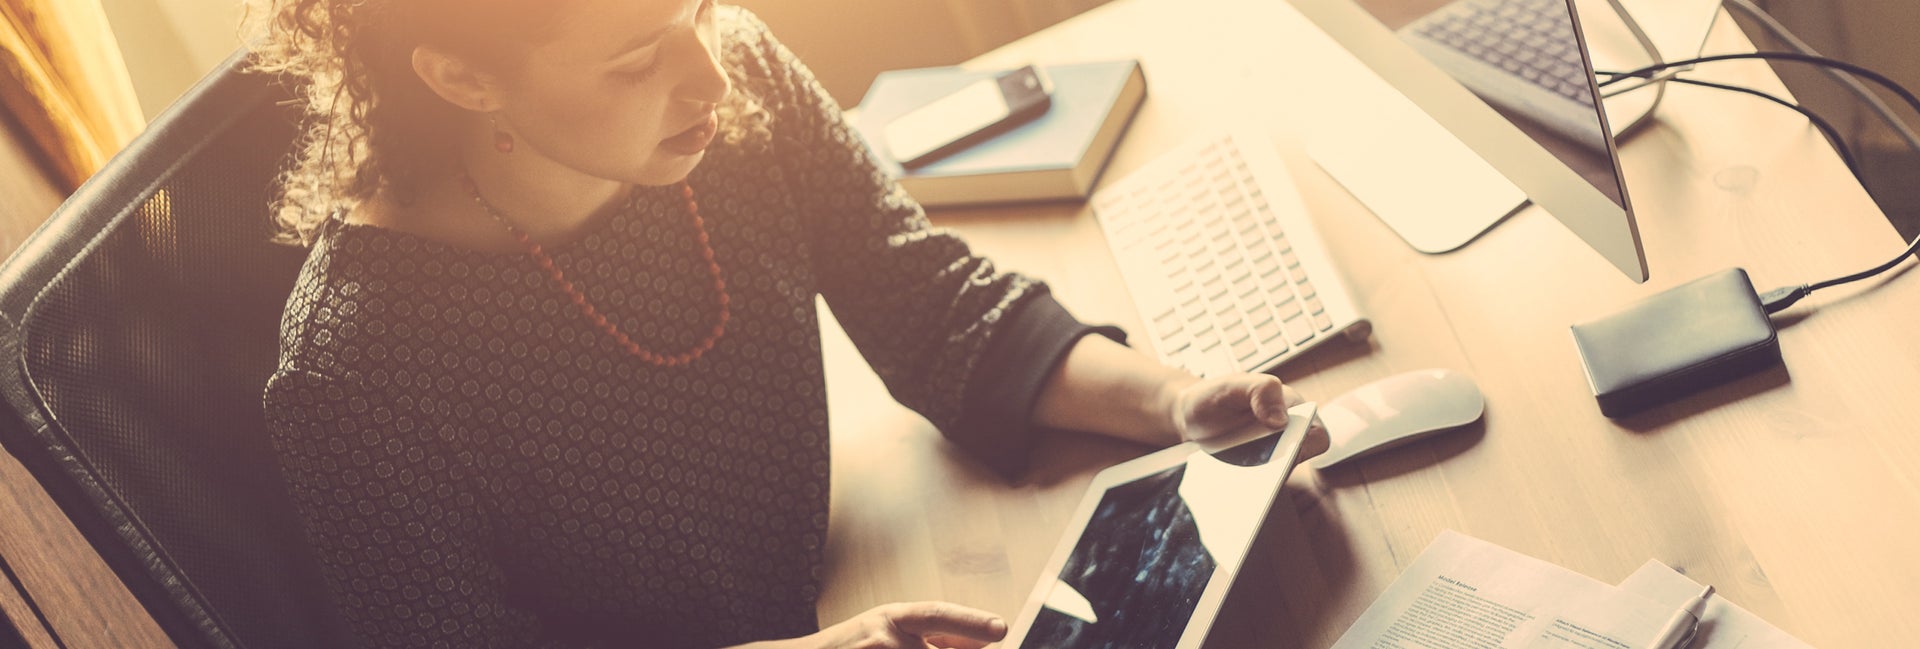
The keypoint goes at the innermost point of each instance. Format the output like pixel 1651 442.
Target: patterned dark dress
pixel 479 466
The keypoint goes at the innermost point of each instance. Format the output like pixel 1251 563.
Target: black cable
pixel 14 580
pixel 1784 297
pixel 1826 128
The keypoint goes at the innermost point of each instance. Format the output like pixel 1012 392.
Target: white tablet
pixel 1148 556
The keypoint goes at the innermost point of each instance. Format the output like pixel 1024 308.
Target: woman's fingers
pixel 1236 404
pixel 947 625
pixel 1290 396
pixel 943 641
pixel 1317 441
pixel 1233 404
pixel 1269 400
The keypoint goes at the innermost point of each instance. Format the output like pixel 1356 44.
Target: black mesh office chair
pixel 139 325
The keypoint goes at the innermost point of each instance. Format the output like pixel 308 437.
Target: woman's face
pixel 619 89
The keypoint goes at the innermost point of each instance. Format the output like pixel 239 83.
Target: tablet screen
pixel 1139 568
pixel 1140 565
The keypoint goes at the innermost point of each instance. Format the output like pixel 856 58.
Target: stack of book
pixel 1056 156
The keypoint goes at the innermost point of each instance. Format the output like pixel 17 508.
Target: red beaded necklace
pixel 600 320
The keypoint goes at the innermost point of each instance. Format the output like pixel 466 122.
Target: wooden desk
pixel 1795 492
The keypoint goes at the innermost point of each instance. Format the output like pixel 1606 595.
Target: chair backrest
pixel 139 325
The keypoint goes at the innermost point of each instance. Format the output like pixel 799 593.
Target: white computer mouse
pixel 1396 410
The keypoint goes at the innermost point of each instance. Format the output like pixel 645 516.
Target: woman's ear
pixel 455 80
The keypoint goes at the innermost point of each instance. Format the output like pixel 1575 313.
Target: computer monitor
pixel 1513 81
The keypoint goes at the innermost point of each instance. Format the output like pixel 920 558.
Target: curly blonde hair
pixel 372 125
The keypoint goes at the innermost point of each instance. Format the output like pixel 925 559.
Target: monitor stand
pixel 1421 180
pixel 1412 173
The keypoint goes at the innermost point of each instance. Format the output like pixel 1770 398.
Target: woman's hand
pixel 918 625
pixel 1239 403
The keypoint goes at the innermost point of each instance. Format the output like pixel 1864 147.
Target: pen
pixel 1680 629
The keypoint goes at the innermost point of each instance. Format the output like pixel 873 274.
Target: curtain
pixel 64 84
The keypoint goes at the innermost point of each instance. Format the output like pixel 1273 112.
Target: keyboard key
pixel 1299 330
pixel 1286 309
pixel 1204 331
pixel 1260 315
pixel 1243 277
pixel 1255 307
pixel 1322 321
pixel 1280 243
pixel 1172 331
pixel 1268 332
pixel 1236 332
pixel 1245 350
pixel 1176 338
pixel 1314 306
pixel 1195 317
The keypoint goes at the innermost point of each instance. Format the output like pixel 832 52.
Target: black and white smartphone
pixel 969 115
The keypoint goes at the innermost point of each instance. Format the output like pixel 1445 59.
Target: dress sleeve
pixel 921 307
pixel 397 520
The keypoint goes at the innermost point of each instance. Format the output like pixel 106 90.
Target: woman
pixel 551 375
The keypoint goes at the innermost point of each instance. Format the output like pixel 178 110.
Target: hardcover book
pixel 1056 156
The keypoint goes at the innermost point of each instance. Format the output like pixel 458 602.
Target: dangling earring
pixel 502 140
